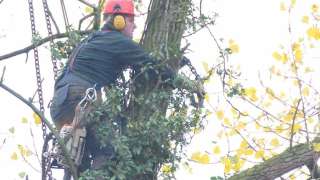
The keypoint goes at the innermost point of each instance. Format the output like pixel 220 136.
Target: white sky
pixel 257 26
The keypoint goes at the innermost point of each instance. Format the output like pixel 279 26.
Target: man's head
pixel 119 14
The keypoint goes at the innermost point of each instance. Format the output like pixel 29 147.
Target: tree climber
pixel 99 60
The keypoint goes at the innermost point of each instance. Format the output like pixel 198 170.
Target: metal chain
pixel 186 61
pixel 45 171
pixel 48 23
pixel 37 65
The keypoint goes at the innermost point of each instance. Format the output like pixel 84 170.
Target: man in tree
pixel 99 60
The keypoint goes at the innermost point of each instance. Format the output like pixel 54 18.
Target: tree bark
pixel 298 156
pixel 163 33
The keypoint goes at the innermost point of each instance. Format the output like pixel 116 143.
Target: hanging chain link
pixel 46 161
pixel 48 23
pixel 37 65
pixel 45 170
pixel 187 62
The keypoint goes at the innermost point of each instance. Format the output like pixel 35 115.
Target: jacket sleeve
pixel 133 55
pixel 136 57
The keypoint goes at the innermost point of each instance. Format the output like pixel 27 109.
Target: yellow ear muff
pixel 119 22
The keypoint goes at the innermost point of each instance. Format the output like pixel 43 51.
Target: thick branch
pixel 298 156
pixel 41 42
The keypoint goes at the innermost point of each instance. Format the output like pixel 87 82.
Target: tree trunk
pixel 164 28
pixel 298 156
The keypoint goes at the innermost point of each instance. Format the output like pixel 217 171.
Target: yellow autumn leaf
pixel 207 97
pixel 196 130
pixel 316 147
pixel 314 8
pixel 284 58
pixel 308 70
pixel 198 157
pixel 293 2
pixel 248 152
pixel 270 91
pixel 283 7
pixel 292 177
pixel 244 144
pixel 235 113
pixel 14 156
pixel 313 33
pixel 251 93
pixel 305 91
pixel 297 128
pixel 296 46
pixel 298 56
pixel 226 122
pixel 88 10
pixel 279 129
pixel 305 19
pixel 288 117
pixel 276 56
pixel 275 142
pixel 259 154
pixel 205 66
pixel 282 95
pixel 238 165
pixel 310 120
pixel 205 159
pixel 166 169
pixel 295 82
pixel 24 151
pixel 227 165
pixel 37 119
pixel 233 46
pixel 216 150
pixel 24 120
pixel 220 114
pixel 240 126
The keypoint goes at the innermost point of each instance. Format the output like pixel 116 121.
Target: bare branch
pixel 88 4
pixel 2 76
pixel 84 18
pixel 1 1
pixel 41 42
pixel 293 123
pixel 50 126
pixel 54 21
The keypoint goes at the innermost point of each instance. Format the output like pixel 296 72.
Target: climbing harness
pixel 73 135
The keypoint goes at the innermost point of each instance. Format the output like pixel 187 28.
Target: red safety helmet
pixel 119 7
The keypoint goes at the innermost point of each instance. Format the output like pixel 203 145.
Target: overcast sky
pixel 257 26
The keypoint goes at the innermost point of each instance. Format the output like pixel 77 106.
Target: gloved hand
pixel 167 73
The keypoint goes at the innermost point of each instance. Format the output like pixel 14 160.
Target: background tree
pixel 269 126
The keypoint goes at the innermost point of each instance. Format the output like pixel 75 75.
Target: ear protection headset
pixel 119 22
